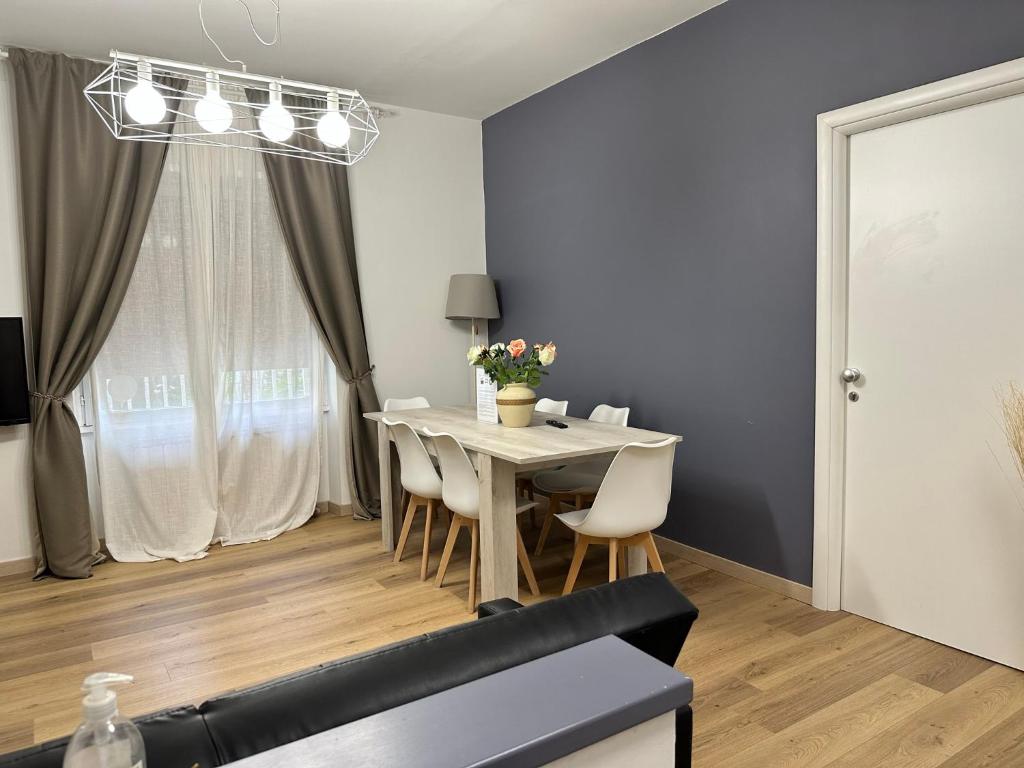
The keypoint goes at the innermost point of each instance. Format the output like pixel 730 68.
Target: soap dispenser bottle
pixel 104 739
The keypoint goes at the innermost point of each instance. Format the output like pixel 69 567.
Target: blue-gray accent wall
pixel 655 216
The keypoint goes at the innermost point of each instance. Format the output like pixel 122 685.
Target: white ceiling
pixel 462 57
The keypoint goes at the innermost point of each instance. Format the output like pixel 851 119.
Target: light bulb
pixel 212 112
pixel 144 104
pixel 332 128
pixel 276 122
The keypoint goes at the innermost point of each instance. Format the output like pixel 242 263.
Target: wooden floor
pixel 778 683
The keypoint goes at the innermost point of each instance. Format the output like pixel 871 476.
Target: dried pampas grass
pixel 1012 402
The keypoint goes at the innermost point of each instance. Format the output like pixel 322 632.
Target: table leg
pixel 387 514
pixel 498 576
pixel 636 561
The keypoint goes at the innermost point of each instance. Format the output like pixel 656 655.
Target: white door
pixel 934 516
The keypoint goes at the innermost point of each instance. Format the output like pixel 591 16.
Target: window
pixel 208 396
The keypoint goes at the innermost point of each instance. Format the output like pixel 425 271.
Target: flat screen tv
pixel 13 378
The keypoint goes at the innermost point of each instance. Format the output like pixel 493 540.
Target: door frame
pixel 834 131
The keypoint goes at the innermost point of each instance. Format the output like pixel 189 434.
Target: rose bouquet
pixel 512 363
pixel 516 369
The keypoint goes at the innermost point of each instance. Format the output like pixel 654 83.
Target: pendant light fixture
pixel 213 113
pixel 276 122
pixel 144 105
pixel 332 128
pixel 142 98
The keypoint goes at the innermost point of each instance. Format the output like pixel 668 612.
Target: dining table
pixel 499 453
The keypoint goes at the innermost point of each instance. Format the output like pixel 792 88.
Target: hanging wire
pixel 252 26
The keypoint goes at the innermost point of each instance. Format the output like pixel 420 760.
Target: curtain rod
pixel 5 48
pixel 123 56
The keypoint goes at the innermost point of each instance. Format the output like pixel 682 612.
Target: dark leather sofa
pixel 645 611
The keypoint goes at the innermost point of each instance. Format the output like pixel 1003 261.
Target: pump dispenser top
pixel 100 703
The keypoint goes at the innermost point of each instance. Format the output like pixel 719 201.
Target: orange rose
pixel 516 347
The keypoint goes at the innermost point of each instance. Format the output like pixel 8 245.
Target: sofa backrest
pixel 174 738
pixel 646 611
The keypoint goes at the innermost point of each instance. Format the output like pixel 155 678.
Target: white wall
pixel 15 480
pixel 418 210
pixel 418 214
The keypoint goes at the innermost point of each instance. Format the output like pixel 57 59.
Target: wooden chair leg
pixel 545 529
pixel 554 506
pixel 577 562
pixel 528 487
pixel 405 499
pixel 474 559
pixel 652 554
pixel 613 558
pixel 524 561
pixel 425 561
pixel 622 570
pixel 449 545
pixel 410 513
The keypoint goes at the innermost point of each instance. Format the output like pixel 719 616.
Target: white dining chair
pixel 631 502
pixel 460 489
pixel 420 480
pixel 554 407
pixel 575 481
pixel 405 403
pixel 524 480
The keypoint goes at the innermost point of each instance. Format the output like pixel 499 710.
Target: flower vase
pixel 515 405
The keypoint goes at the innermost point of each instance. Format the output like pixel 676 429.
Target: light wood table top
pixel 538 444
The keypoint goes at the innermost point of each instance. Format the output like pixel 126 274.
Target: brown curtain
pixel 85 199
pixel 312 203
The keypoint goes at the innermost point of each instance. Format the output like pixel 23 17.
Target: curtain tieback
pixel 361 376
pixel 45 396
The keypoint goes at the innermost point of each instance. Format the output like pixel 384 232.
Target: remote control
pixel 554 423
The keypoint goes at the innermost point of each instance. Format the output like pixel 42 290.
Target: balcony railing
pixel 174 391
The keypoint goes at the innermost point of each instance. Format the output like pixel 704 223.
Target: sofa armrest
pixel 494 607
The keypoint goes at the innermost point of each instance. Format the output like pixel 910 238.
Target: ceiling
pixel 461 57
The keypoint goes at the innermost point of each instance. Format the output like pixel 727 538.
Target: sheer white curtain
pixel 208 388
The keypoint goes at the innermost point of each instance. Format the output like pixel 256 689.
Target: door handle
pixel 850 375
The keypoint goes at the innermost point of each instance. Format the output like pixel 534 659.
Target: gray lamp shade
pixel 471 297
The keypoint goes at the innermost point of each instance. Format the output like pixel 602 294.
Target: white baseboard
pixel 16 567
pixel 753 576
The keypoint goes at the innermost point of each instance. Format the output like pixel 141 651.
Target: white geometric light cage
pixel 315 110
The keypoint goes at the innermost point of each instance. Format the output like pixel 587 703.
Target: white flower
pixel 547 354
pixel 497 348
pixel 473 355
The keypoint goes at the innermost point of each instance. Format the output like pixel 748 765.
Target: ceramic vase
pixel 515 405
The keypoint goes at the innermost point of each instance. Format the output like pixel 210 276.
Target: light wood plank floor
pixel 778 683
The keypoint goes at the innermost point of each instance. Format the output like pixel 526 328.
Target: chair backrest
pixel 634 495
pixel 460 488
pixel 556 407
pixel 419 476
pixel 605 414
pixel 405 403
pixel 608 414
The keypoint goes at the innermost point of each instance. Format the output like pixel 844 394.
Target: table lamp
pixel 473 298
